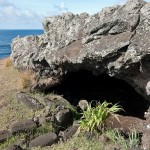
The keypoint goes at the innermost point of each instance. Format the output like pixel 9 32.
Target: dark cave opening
pixel 84 85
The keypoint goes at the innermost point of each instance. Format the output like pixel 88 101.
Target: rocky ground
pixel 10 83
pixel 29 120
pixel 80 59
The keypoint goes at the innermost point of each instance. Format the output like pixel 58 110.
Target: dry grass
pixel 26 79
pixel 10 83
pixel 8 62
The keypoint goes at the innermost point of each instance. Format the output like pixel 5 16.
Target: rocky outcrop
pixel 114 41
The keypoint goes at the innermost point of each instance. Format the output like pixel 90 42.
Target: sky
pixel 28 14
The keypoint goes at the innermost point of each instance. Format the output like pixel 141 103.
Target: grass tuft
pixel 94 118
pixel 132 141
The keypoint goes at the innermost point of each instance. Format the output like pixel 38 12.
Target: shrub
pixel 94 118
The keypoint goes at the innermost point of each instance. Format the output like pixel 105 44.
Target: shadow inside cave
pixel 84 85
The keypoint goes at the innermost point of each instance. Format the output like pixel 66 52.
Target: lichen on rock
pixel 114 41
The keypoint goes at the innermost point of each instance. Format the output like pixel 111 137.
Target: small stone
pixel 23 126
pixel 4 135
pixel 64 118
pixel 83 104
pixel 68 133
pixel 46 113
pixel 60 108
pixel 44 140
pixel 29 101
pixel 36 119
pixel 42 120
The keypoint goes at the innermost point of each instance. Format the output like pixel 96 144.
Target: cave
pixel 84 85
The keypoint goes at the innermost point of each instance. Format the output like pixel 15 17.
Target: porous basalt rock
pixel 114 41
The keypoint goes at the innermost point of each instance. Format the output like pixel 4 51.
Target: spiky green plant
pixel 94 117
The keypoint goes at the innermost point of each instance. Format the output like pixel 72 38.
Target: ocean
pixel 6 37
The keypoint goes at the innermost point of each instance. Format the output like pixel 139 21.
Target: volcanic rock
pixel 23 126
pixel 46 139
pixel 114 41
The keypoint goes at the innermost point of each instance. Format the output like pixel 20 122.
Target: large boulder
pixel 114 41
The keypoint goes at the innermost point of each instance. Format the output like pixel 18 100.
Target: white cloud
pixel 121 2
pixel 12 15
pixel 58 9
pixel 4 3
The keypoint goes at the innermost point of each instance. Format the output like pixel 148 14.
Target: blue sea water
pixel 6 37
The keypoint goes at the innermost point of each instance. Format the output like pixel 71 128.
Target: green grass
pixel 94 117
pixel 79 142
pixel 11 141
pixel 82 142
pixel 27 136
pixel 115 136
pixel 47 127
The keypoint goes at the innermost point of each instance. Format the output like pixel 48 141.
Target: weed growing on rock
pixel 94 118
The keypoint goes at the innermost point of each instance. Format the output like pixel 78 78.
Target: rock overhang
pixel 114 41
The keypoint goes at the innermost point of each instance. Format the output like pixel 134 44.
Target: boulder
pixel 4 135
pixel 69 132
pixel 125 123
pixel 114 41
pixel 23 126
pixel 64 118
pixel 44 140
pixel 29 101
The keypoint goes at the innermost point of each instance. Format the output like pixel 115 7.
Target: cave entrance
pixel 84 85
